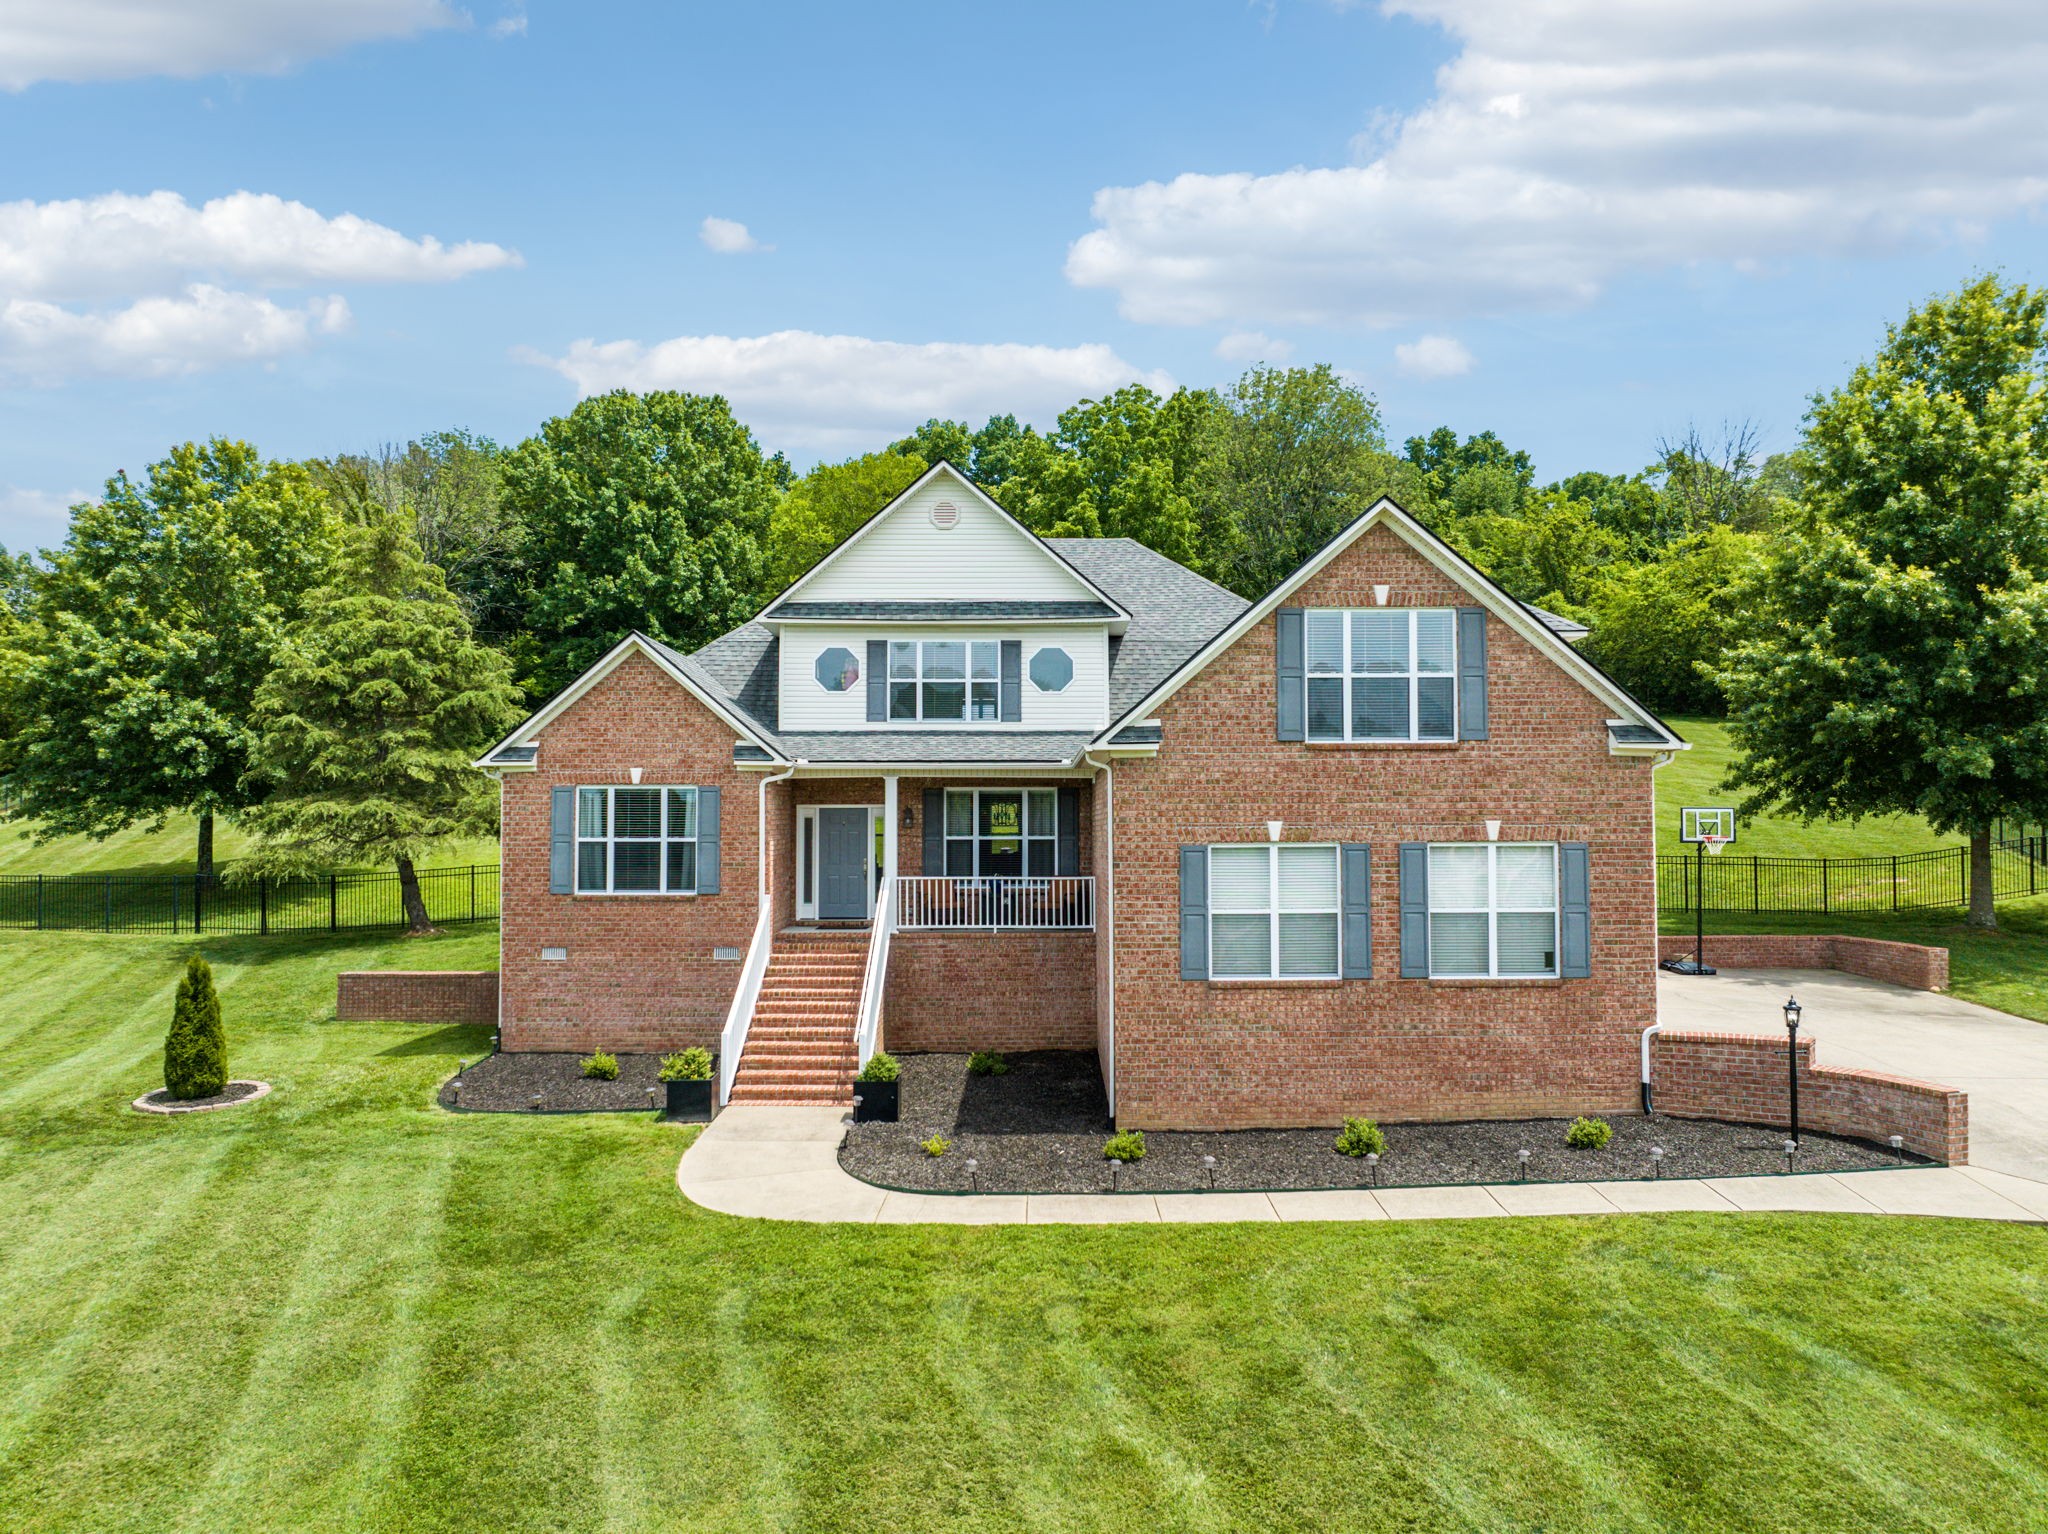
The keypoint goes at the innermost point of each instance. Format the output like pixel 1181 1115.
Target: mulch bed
pixel 1040 1127
pixel 507 1083
pixel 161 1101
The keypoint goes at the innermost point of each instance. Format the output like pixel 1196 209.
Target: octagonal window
pixel 1051 669
pixel 837 669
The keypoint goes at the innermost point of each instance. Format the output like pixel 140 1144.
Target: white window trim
pixel 974 838
pixel 1351 672
pixel 859 673
pixel 610 840
pixel 1494 911
pixel 967 683
pixel 1032 660
pixel 1272 913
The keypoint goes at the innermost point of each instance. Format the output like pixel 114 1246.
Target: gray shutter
pixel 1194 913
pixel 1357 911
pixel 1293 702
pixel 878 680
pixel 1067 860
pixel 707 840
pixel 934 832
pixel 1575 911
pixel 1012 694
pixel 562 843
pixel 1414 910
pixel 1471 673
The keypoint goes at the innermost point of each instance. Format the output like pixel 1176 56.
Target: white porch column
pixel 889 818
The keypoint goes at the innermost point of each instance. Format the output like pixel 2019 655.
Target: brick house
pixel 1378 843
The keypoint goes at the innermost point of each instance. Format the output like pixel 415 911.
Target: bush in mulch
pixel 509 1083
pixel 196 1049
pixel 1041 1128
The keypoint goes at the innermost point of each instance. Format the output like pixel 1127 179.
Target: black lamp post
pixel 1792 1010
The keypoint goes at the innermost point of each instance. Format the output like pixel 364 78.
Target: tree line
pixel 317 648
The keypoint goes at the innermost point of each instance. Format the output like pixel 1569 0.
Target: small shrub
pixel 937 1146
pixel 692 1064
pixel 600 1067
pixel 1127 1146
pixel 1589 1134
pixel 1360 1137
pixel 987 1062
pixel 881 1066
pixel 196 1049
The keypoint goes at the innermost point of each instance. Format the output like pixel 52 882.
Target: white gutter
pixel 1107 822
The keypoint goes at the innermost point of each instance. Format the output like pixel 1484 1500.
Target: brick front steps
pixel 800 1045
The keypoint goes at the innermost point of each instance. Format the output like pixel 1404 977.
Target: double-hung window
pixel 1273 912
pixel 636 841
pixel 945 679
pixel 1381 673
pixel 1002 833
pixel 1493 910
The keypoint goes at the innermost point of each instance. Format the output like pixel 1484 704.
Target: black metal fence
pixel 173 903
pixel 1907 881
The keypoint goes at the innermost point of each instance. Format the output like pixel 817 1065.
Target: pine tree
pixel 380 701
pixel 196 1049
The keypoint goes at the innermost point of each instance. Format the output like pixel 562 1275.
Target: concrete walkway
pixel 1999 1059
pixel 783 1164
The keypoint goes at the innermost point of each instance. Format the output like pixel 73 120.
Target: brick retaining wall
pixel 1909 964
pixel 990 990
pixel 1741 1077
pixel 417 996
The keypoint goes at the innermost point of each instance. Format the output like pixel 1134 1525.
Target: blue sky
pixel 1582 224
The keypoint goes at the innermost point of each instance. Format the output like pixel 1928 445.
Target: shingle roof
pixel 513 756
pixel 1563 627
pixel 940 612
pixel 1636 735
pixel 1174 611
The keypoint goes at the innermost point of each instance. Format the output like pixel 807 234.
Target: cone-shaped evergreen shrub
pixel 196 1052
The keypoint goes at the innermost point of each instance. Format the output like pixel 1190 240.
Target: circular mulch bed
pixel 509 1082
pixel 1040 1128
pixel 161 1101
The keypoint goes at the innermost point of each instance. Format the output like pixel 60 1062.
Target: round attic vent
pixel 945 514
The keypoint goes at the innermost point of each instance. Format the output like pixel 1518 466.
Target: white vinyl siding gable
pixel 804 705
pixel 904 557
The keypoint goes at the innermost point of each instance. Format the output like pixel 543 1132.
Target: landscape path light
pixel 1792 1011
pixel 1791 1149
pixel 973 1174
pixel 1521 1166
pixel 1898 1143
pixel 1372 1166
pixel 1656 1162
pixel 1209 1166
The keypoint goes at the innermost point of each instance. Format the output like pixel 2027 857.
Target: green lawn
pixel 1694 777
pixel 341 1308
pixel 169 851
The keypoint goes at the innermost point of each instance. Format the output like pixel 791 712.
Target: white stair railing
pixel 875 979
pixel 733 1040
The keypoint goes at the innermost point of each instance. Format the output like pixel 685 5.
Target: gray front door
pixel 842 865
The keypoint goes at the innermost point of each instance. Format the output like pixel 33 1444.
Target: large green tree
pixel 1664 626
pixel 152 628
pixel 637 511
pixel 1900 658
pixel 829 504
pixel 379 701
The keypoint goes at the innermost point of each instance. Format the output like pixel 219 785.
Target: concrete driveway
pixel 2000 1060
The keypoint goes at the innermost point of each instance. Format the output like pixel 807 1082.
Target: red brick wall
pixel 1742 1077
pixel 1224 1055
pixel 417 996
pixel 640 974
pixel 990 990
pixel 1910 964
pixel 1105 791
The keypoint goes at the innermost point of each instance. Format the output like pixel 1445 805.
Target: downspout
pixel 1662 759
pixel 761 833
pixel 1108 822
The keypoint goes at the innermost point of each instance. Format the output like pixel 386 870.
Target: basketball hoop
pixel 1707 829
pixel 1714 844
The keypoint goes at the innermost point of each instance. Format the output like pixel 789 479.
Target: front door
pixel 842 865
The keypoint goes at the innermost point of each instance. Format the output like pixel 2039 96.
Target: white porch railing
pixel 999 904
pixel 740 1016
pixel 875 979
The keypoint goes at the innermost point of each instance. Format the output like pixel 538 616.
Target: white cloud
pixel 1433 357
pixel 509 26
pixel 156 272
pixel 28 518
pixel 118 244
pixel 1571 142
pixel 729 237
pixel 839 393
pixel 157 337
pixel 1253 346
pixel 79 40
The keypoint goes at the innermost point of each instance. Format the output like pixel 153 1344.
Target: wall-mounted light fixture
pixel 909 817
